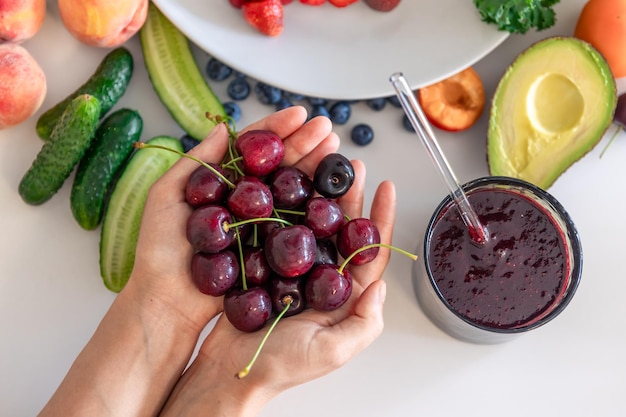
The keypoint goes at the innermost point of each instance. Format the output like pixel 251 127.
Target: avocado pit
pixel 554 103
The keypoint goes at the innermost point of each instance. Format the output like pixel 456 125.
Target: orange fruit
pixel 602 23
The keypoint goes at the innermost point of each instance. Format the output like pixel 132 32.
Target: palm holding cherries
pixel 267 236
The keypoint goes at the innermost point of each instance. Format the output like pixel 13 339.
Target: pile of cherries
pixel 268 237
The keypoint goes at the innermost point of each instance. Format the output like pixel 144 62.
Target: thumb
pixel 361 328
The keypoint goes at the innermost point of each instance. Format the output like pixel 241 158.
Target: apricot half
pixel 455 103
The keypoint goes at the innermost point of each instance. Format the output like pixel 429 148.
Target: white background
pixel 52 298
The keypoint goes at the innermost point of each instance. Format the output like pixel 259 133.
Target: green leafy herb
pixel 517 16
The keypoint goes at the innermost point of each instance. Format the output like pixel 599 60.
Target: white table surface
pixel 52 298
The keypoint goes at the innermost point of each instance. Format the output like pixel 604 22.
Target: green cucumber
pixel 175 76
pixel 68 142
pixel 108 83
pixel 122 217
pixel 109 150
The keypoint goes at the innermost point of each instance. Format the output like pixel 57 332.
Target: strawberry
pixel 313 2
pixel 265 15
pixel 237 3
pixel 341 3
pixel 382 5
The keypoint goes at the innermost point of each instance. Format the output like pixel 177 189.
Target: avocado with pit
pixel 551 107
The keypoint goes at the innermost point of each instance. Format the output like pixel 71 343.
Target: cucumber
pixel 68 142
pixel 175 75
pixel 109 150
pixel 122 217
pixel 108 83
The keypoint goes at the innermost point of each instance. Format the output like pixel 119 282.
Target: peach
pixel 103 23
pixel 20 19
pixel 22 85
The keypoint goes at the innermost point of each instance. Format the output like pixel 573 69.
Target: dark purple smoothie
pixel 514 279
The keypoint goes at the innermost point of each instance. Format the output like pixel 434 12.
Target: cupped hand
pixel 163 256
pixel 301 347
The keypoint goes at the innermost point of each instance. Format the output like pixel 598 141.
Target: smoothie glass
pixel 523 277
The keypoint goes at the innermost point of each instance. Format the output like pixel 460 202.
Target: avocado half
pixel 552 106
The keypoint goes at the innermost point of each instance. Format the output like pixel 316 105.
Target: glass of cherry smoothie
pixel 521 278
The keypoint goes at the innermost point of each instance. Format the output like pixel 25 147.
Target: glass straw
pixel 417 118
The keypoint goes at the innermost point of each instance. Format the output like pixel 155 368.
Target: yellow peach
pixel 103 23
pixel 20 19
pixel 22 85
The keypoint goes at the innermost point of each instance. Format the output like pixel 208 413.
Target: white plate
pixel 346 53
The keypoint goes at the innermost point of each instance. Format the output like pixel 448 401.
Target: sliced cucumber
pixel 111 147
pixel 120 225
pixel 108 83
pixel 176 77
pixel 67 144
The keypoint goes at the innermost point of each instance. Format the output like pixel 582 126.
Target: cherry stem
pixel 302 213
pixel 143 145
pixel 245 371
pixel 617 131
pixel 244 282
pixel 294 212
pixel 228 226
pixel 232 163
pixel 374 245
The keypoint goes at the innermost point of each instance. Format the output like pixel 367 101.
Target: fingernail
pixel 382 292
pixel 216 129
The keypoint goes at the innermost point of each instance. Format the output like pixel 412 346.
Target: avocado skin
pixel 515 147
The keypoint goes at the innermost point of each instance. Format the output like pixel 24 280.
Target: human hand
pixel 301 347
pixel 163 255
pixel 144 342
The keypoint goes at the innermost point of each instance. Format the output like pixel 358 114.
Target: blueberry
pixel 267 94
pixel 217 70
pixel 283 103
pixel 319 110
pixel 233 110
pixel 238 89
pixel 317 101
pixel 406 123
pixel 340 112
pixel 376 104
pixel 394 101
pixel 188 142
pixel 362 134
pixel 291 96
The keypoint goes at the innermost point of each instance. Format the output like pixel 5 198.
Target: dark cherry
pixel 326 288
pixel 205 187
pixel 215 273
pixel 291 188
pixel 283 289
pixel 256 268
pixel 333 176
pixel 250 199
pixel 262 151
pixel 264 229
pixel 290 251
pixel 325 252
pixel 247 310
pixel 324 216
pixel 205 229
pixel 354 235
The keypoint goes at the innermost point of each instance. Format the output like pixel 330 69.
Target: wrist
pixel 210 387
